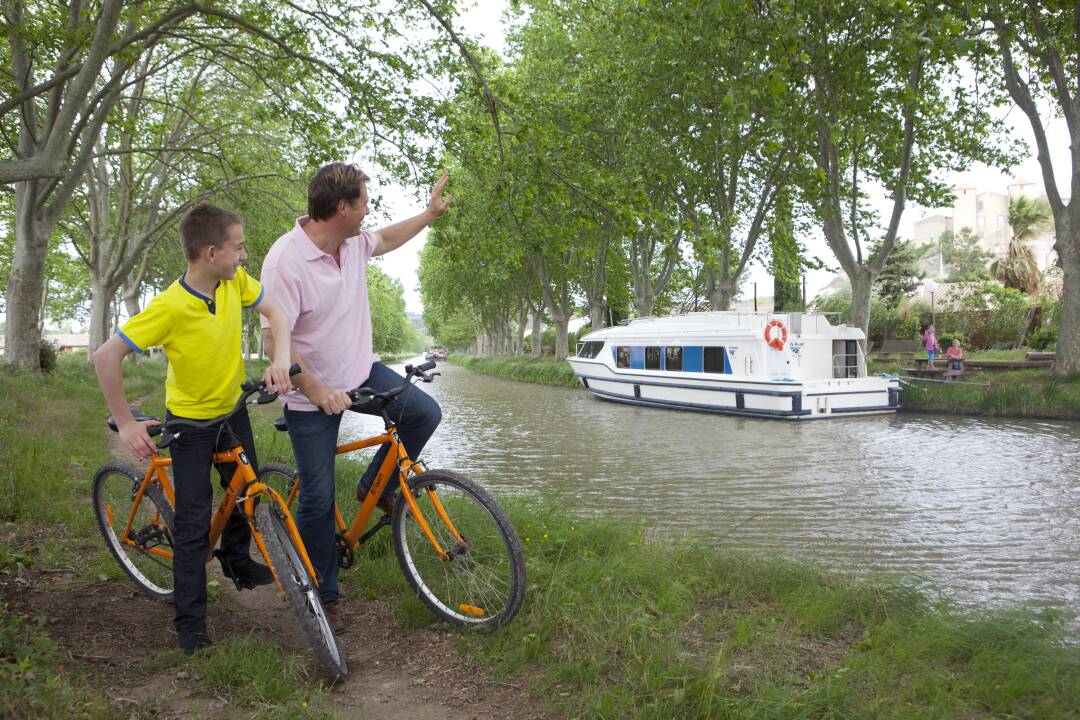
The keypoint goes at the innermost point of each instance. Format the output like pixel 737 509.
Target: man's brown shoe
pixel 386 503
pixel 334 618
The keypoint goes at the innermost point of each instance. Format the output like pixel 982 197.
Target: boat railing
pixel 801 322
pixel 848 365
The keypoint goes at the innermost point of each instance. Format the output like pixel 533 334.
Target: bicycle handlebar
pixel 420 372
pixel 248 387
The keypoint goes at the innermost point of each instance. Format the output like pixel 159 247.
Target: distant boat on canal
pixel 795 366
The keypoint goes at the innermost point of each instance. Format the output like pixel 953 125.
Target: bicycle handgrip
pixel 425 367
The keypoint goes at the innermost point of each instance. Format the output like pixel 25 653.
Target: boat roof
pixel 723 325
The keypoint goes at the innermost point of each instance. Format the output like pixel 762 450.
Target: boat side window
pixel 715 360
pixel 673 358
pixel 589 349
pixel 652 358
pixel 622 356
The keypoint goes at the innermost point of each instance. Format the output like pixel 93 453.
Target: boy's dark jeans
pixel 192 454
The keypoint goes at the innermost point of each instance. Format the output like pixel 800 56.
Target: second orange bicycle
pixel 454 543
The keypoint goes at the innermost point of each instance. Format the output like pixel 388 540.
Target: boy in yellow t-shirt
pixel 197 321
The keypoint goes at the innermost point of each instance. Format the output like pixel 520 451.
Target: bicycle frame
pixel 244 487
pixel 395 458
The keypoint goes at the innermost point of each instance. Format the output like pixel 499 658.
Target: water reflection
pixel 987 509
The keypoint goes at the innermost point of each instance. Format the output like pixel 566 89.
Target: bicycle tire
pixel 280 477
pixel 483 583
pixel 300 591
pixel 114 488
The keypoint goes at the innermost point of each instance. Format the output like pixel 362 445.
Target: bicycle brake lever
pixel 266 398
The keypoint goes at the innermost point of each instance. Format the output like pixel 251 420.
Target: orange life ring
pixel 778 341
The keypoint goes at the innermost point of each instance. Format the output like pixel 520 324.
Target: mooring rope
pixel 908 379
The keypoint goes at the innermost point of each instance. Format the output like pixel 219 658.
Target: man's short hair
pixel 333 183
pixel 204 225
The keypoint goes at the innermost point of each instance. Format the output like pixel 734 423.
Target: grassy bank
pixel 544 370
pixel 618 621
pixel 1035 393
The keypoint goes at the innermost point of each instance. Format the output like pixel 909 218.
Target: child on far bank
pixel 197 320
pixel 931 344
pixel 955 355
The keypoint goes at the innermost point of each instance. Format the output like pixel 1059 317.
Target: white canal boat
pixel 794 366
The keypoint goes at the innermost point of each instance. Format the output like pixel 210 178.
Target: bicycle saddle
pixel 280 424
pixel 139 416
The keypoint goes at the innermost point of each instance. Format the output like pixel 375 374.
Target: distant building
pixel 64 342
pixel 987 215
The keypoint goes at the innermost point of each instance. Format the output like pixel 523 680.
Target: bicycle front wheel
pixel 281 478
pixel 480 582
pixel 300 591
pixel 143 546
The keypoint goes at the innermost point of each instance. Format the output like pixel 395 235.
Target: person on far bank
pixel 197 320
pixel 955 355
pixel 317 271
pixel 931 344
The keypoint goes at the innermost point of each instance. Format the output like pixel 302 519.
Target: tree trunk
pixel 862 280
pixel 1067 227
pixel 562 342
pixel 721 288
pixel 644 301
pixel 101 303
pixel 537 330
pixel 131 297
pixel 22 335
pixel 597 315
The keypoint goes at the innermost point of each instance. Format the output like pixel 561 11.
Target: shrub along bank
pixel 544 370
pixel 618 621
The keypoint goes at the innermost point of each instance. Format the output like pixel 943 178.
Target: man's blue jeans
pixel 314 436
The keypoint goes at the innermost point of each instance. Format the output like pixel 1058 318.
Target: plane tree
pixel 1038 50
pixel 69 64
pixel 886 108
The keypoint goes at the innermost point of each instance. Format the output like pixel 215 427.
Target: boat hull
pixel 808 400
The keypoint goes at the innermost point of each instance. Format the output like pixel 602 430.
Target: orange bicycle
pixel 135 514
pixel 453 541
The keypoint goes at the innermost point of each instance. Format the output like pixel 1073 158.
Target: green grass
pixel 33 679
pixel 618 621
pixel 543 370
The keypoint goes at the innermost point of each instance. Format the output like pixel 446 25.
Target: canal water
pixel 983 510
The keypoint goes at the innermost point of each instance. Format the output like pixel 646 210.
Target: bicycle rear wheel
pixel 300 591
pixel 144 550
pixel 482 582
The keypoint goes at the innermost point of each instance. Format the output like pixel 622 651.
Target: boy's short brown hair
pixel 333 183
pixel 204 225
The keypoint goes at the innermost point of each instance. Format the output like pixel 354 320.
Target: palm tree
pixel 1018 269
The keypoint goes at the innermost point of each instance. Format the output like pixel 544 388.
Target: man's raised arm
pixel 396 235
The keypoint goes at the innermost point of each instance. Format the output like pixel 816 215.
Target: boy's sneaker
pixel 192 639
pixel 246 573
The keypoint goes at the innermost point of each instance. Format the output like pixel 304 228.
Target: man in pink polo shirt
pixel 316 273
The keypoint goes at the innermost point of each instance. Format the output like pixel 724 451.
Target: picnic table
pixel 992 364
pixel 943 372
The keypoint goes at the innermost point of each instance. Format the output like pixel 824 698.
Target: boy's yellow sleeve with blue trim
pixel 251 292
pixel 148 328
